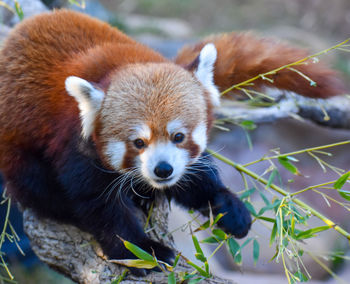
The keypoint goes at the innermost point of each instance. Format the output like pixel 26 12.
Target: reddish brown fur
pixel 48 49
pixel 241 56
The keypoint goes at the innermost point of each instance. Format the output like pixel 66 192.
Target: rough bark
pixel 333 112
pixel 75 253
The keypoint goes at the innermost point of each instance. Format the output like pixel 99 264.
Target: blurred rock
pixel 172 28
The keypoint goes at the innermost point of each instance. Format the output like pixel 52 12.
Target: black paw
pixel 161 252
pixel 139 272
pixel 237 219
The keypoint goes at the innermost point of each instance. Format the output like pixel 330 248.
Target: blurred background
pixel 166 25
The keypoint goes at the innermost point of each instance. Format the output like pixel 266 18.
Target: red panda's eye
pixel 178 137
pixel 139 143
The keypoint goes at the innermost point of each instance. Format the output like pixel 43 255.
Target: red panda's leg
pixel 201 186
pixel 105 210
pixel 116 220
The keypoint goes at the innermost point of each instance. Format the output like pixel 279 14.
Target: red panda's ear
pixel 89 101
pixel 205 71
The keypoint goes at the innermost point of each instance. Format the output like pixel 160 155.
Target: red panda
pixel 93 121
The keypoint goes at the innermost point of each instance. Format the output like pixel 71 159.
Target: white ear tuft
pixel 89 101
pixel 205 71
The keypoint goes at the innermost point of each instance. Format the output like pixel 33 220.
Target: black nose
pixel 163 170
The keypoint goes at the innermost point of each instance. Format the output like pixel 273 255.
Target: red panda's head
pixel 153 119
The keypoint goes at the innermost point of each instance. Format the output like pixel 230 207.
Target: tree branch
pixel 75 253
pixel 333 112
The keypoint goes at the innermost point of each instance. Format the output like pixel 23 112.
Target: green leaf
pixel 310 233
pixel 273 233
pixel 206 266
pixel 300 277
pixel 176 259
pixel 248 124
pixel 200 257
pixel 196 245
pixel 267 219
pixel 341 181
pixel 203 226
pixel 264 198
pixel 250 208
pixel 233 246
pixel 19 10
pixel 199 269
pixel 247 193
pixel 273 205
pixel 271 178
pixel 210 240
pixel 218 217
pixel 137 251
pixel 285 162
pixel 220 234
pixel 256 249
pixel 345 194
pixel 235 250
pixel 171 278
pixel 138 263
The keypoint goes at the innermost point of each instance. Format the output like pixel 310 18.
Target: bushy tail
pixel 242 56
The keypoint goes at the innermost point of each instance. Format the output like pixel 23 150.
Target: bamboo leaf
pixel 256 250
pixel 247 193
pixel 138 263
pixel 233 246
pixel 176 259
pixel 218 217
pixel 199 269
pixel 341 181
pixel 273 233
pixel 196 245
pixel 310 233
pixel 250 208
pixel 171 278
pixel 200 257
pixel 220 234
pixel 210 240
pixel 264 198
pixel 19 10
pixel 271 178
pixel 248 124
pixel 345 194
pixel 139 252
pixel 285 162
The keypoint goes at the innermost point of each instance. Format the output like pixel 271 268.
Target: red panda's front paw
pixel 162 252
pixel 237 219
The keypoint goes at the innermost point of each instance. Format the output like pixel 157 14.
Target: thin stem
pixel 299 152
pixel 312 187
pixel 216 249
pixel 281 191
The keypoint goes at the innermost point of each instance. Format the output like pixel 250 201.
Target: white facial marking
pixel 175 126
pixel 163 152
pixel 199 136
pixel 89 101
pixel 141 131
pixel 115 151
pixel 205 71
